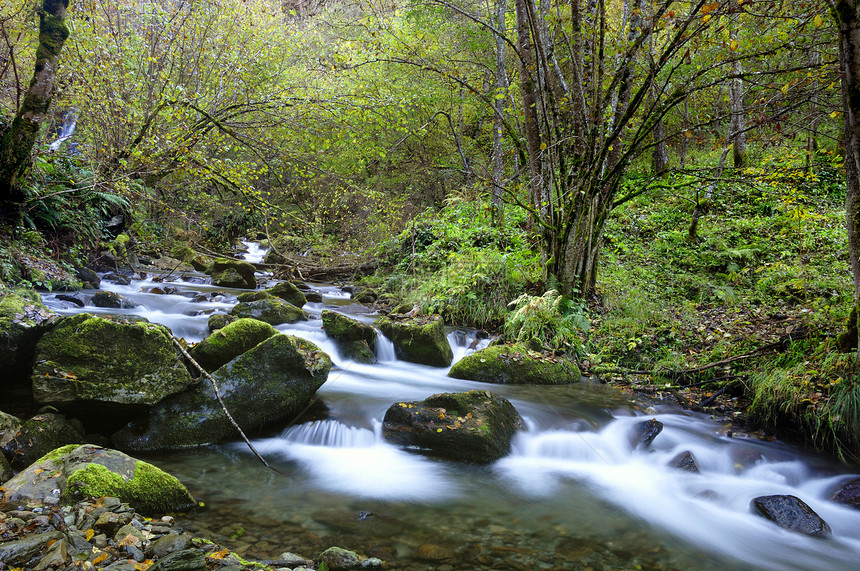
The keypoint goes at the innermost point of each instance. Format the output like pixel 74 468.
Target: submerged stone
pixel 684 461
pixel 87 363
pixel 338 559
pixel 848 494
pixel 273 382
pixel 515 364
pixel 476 426
pixel 643 433
pixel 76 472
pixel 420 340
pixel 791 513
pixel 230 341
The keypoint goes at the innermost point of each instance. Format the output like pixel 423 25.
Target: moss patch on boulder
pixel 23 319
pixel 476 426
pixel 289 293
pixel 271 310
pixel 39 435
pixel 515 364
pixel 231 341
pixel 232 273
pixel 355 340
pixel 88 359
pixel 420 340
pixel 77 472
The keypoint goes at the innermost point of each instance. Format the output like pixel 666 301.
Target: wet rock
pixel 419 340
pixel 271 310
pixel 101 367
pixel 684 461
pixel 9 427
pixel 270 383
pixel 23 319
pixel 38 436
pixel 219 321
pixel 232 273
pixel 433 552
pixel 288 292
pixel 372 563
pixel 338 559
pixel 116 278
pixel 170 544
pixel 515 364
pixel 313 296
pixel 230 341
pixel 185 560
pixel 171 264
pixel 73 473
pixel 792 513
pixel 5 469
pixel 365 295
pixel 76 299
pixel 110 523
pixel 643 433
pixel 23 552
pixel 89 279
pixel 356 340
pixel 111 300
pixel 476 426
pixel 848 494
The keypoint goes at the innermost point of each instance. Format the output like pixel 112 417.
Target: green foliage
pixel 551 321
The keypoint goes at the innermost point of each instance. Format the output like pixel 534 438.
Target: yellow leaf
pixel 835 114
pixel 438 430
pixel 733 45
pixel 90 533
pixel 542 146
pixel 219 555
pixel 818 21
pixel 706 18
pixel 100 558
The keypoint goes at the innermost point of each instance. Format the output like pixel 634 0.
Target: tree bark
pixel 17 143
pixel 501 84
pixel 847 14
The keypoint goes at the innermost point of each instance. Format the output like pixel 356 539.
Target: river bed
pixel 571 495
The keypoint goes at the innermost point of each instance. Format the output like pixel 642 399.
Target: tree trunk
pixel 847 14
pixel 17 143
pixel 501 84
pixel 738 137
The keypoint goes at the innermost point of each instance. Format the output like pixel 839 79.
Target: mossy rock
pixel 231 341
pixel 515 364
pixel 9 427
pixel 271 383
pixel 112 300
pixel 232 273
pixel 289 293
pixel 6 471
pixel 38 436
pixel 420 340
pixel 89 279
pixel 355 340
pixel 250 296
pixel 182 252
pixel 75 472
pixel 219 321
pixel 86 363
pixel 271 310
pixel 476 426
pixel 23 319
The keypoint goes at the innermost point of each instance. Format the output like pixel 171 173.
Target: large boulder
pixel 420 340
pixel 112 300
pixel 271 310
pixel 232 273
pixel 23 319
pixel 100 367
pixel 791 513
pixel 230 341
pixel 288 292
pixel 476 426
pixel 9 427
pixel 515 364
pixel 271 383
pixel 356 340
pixel 38 436
pixel 73 473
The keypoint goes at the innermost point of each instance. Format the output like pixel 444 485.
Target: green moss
pixel 419 341
pixel 344 328
pixel 515 364
pixel 231 341
pixel 54 455
pixel 149 491
pixel 270 310
pixel 289 293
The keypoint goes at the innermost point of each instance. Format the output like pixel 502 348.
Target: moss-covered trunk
pixel 17 143
pixel 847 14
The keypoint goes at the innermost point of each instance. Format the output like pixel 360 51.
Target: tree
pixel 17 140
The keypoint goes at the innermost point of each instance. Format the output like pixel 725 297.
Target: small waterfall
pixel 66 130
pixel 384 348
pixel 330 433
pixel 255 253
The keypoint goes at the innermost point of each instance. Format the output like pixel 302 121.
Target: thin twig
pixel 223 406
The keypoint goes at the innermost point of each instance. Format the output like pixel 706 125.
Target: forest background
pixel 654 189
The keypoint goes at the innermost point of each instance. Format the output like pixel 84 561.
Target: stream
pixel 571 495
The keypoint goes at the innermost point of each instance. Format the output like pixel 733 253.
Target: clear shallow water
pixel 571 495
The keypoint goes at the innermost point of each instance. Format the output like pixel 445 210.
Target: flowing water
pixel 571 495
